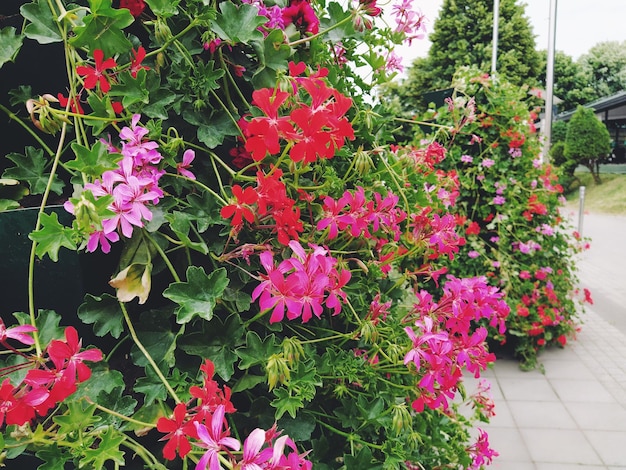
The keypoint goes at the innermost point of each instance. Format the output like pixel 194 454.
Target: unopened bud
pixel 292 350
pixel 401 418
pixel 162 31
pixel 277 370
pixel 362 162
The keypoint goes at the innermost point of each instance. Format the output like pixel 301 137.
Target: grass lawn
pixel 607 198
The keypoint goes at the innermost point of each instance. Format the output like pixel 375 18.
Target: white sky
pixel 581 24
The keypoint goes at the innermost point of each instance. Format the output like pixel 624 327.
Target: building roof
pixel 608 108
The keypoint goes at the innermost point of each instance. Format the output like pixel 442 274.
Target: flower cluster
pixel 444 344
pixel 312 130
pixel 301 284
pixel 354 214
pixel 204 425
pixel 50 379
pixel 266 205
pixel 132 187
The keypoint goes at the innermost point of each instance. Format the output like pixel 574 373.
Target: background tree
pixel 605 66
pixel 572 81
pixel 462 36
pixel 587 140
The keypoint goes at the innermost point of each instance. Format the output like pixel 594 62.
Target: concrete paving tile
pixel 508 443
pixel 508 465
pixel 529 389
pixel 598 416
pixel 541 414
pixel 560 466
pixel 510 368
pixel 610 445
pixel 503 417
pixel 570 390
pixel 567 369
pixel 563 446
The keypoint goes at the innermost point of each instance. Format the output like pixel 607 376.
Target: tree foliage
pixel 587 140
pixel 605 67
pixel 571 81
pixel 462 36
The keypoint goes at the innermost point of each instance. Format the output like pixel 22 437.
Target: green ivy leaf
pixel 336 14
pixel 198 295
pixel 116 400
pixel 93 161
pixel 107 450
pixel 361 460
pixel 247 382
pixel 211 130
pixel 273 55
pixel 53 458
pixel 132 90
pixel 151 387
pixel 163 8
pixel 31 169
pixel 77 418
pixel 180 223
pixel 47 323
pixel 51 237
pixel 104 313
pixel 102 379
pixel 205 210
pixel 238 24
pixel 159 101
pixel 103 29
pixel 100 107
pixel 10 44
pixel 154 332
pixel 285 402
pixel 42 27
pixel 256 351
pixel 299 429
pixel 242 299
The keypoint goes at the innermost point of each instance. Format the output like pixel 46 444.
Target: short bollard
pixel 581 206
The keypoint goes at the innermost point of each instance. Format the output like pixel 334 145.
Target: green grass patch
pixel 607 198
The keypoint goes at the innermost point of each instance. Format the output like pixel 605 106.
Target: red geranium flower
pixel 97 75
pixel 241 208
pixel 136 7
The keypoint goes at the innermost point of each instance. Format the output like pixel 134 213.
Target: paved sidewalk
pixel 573 416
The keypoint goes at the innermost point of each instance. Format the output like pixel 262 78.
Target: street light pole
pixel 547 121
pixel 494 42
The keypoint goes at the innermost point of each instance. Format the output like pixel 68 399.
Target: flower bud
pixel 162 31
pixel 292 350
pixel 277 370
pixel 362 162
pixel 86 213
pixel 401 418
pixel 41 114
pixel 368 331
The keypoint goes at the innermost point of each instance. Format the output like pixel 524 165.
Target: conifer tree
pixel 462 36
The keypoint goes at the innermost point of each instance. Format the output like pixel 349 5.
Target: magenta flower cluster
pixel 445 342
pixel 134 186
pixel 302 284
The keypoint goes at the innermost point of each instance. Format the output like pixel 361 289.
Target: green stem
pixel 33 134
pixel 203 186
pixel 33 249
pixel 121 416
pixel 147 355
pixel 225 108
pixel 350 437
pixel 164 256
pixel 321 33
pixel 173 38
